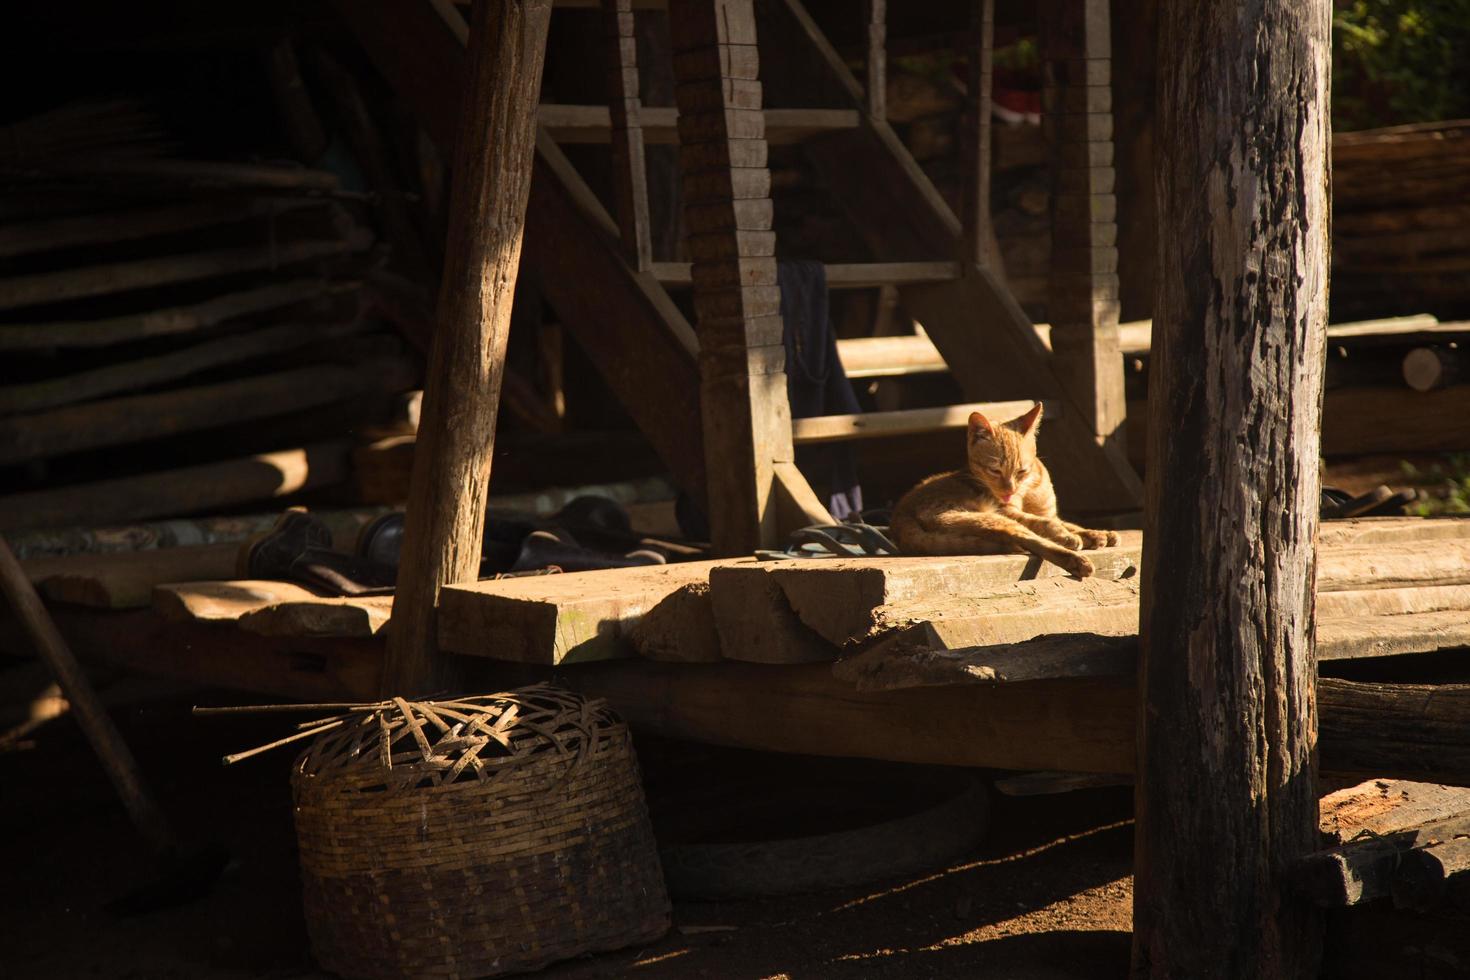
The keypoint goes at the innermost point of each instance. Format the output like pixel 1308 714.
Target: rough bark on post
pixel 1226 797
pixel 451 469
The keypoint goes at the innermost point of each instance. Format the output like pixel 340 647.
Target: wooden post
pixel 451 469
pixel 1226 798
pixel 1082 300
pixel 630 176
pixel 877 87
pixel 727 207
pixel 978 232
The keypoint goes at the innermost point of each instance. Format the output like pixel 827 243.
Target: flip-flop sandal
pixel 835 541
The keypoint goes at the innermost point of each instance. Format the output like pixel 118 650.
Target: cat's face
pixel 1003 457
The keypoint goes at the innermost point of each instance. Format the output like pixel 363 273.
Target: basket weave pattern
pixel 475 837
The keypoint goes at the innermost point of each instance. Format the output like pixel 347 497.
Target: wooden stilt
pixel 747 420
pixel 451 471
pixel 978 232
pixel 630 177
pixel 1226 798
pixel 1082 301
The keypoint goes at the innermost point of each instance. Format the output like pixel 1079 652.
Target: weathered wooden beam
pixel 876 89
pixel 1227 709
pixel 273 608
pixel 174 493
pixel 1078 726
pixel 554 619
pixel 445 518
pixel 1410 864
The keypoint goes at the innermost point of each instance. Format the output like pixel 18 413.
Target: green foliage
pixel 1444 487
pixel 1400 61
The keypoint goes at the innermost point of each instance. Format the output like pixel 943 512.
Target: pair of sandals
pixel 1378 502
pixel 299 548
pixel 855 540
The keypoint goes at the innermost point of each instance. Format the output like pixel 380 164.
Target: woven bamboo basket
pixel 475 837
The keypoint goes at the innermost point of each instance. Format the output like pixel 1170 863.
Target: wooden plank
pixel 445 519
pixel 272 608
pixel 125 580
pixel 877 60
pixel 173 493
pixel 134 418
pixel 102 280
pixel 801 611
pixel 858 275
pixel 573 124
pixel 554 619
pixel 180 319
pixel 147 372
pixel 887 357
pixel 841 428
pixel 979 231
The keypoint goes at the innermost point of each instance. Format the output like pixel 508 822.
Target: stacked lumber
pixel 1401 218
pixel 155 310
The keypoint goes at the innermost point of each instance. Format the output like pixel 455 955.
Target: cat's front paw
pixel 1099 539
pixel 1063 536
pixel 1075 564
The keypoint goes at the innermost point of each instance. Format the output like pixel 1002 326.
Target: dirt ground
pixel 1046 896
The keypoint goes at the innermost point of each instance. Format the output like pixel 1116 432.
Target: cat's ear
pixel 1026 424
pixel 980 428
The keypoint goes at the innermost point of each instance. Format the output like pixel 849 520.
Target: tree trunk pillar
pixel 451 468
pixel 1227 796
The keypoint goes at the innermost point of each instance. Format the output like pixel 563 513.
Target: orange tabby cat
pixel 1001 503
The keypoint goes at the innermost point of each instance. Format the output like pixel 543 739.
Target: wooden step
pixel 593 123
pixel 911 421
pixel 889 357
pixel 857 275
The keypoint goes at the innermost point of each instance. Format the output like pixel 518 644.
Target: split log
pixel 554 619
pixel 190 489
pixel 271 608
pixel 120 277
pixel 125 580
pixel 180 319
pixel 135 418
pixel 148 372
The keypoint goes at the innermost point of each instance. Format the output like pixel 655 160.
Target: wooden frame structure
pixel 711 397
